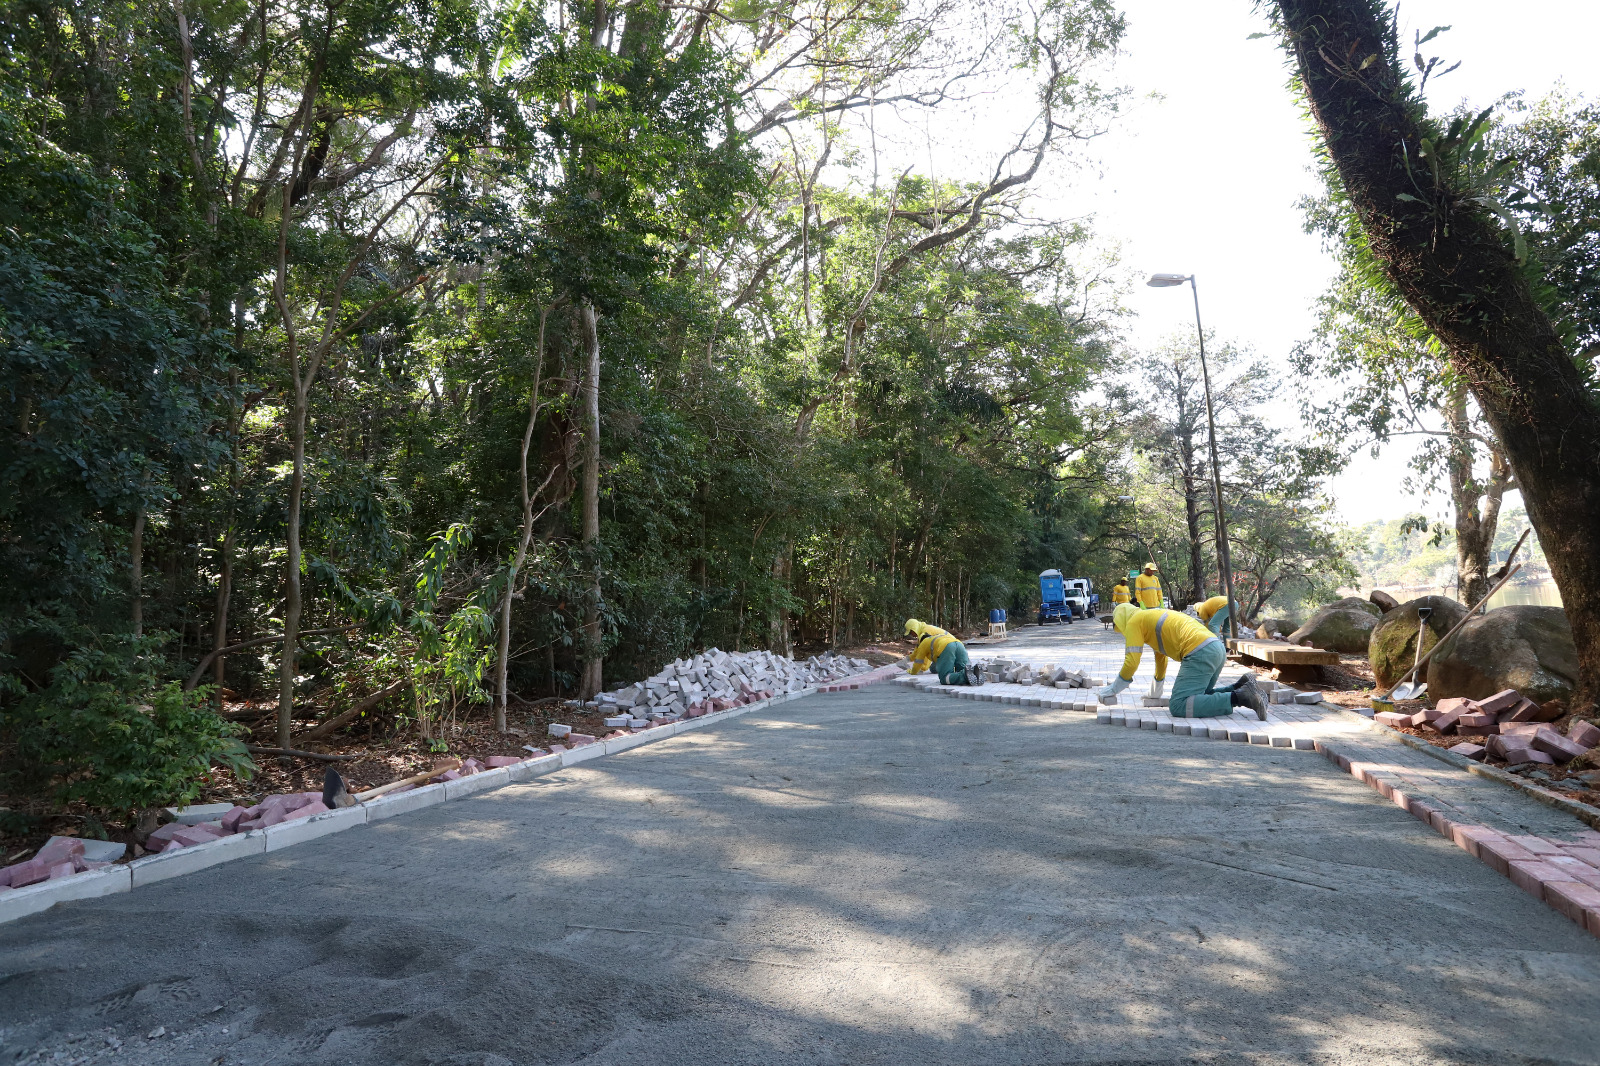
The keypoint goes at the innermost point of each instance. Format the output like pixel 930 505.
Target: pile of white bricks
pixel 1011 672
pixel 717 680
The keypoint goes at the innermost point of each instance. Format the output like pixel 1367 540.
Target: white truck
pixel 1080 597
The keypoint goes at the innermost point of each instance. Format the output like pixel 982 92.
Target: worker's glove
pixel 1109 693
pixel 1156 686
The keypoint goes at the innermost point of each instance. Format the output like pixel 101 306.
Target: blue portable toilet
pixel 1053 598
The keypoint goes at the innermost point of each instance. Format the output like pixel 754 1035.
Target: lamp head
pixel 1163 281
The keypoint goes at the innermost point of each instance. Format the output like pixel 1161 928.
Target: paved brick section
pixel 883 876
pixel 1547 853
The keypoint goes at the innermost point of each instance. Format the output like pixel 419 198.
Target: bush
pixel 108 732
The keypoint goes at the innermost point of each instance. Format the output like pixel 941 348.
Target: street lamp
pixel 1224 557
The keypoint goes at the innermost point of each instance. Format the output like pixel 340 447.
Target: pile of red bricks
pixel 1563 873
pixel 61 857
pixel 1508 726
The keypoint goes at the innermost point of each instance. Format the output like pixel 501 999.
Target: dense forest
pixel 435 355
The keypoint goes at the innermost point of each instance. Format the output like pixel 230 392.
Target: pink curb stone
pixel 556 749
pixel 1585 855
pixel 1584 734
pixel 1530 876
pixel 580 739
pixel 1468 837
pixel 470 767
pixel 1500 702
pixel 62 869
pixel 1393 719
pixel 494 762
pixel 23 874
pixel 1501 853
pixel 1475 752
pixel 1556 746
pixel 60 849
pixel 1577 901
pixel 307 811
pixel 1576 870
pixel 1536 845
pixel 1453 705
pixel 231 820
pixel 448 775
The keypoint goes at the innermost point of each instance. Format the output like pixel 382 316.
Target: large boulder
pixel 1343 626
pixel 1393 645
pixel 1276 628
pixel 1384 601
pixel 1524 647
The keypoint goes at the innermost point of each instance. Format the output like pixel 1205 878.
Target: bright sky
pixel 1204 180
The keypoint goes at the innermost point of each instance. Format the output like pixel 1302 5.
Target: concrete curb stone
pixel 286 834
pixel 21 902
pixel 181 861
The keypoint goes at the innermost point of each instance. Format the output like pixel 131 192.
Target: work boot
pixel 1247 695
pixel 974 677
pixel 1240 680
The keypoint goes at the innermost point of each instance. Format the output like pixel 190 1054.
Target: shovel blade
pixel 1409 691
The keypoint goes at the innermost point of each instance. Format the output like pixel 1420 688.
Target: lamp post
pixel 1224 557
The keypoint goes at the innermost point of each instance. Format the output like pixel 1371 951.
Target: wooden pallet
pixel 1282 653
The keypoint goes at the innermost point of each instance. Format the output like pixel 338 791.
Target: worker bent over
pixel 1175 635
pixel 1147 587
pixel 942 652
pixel 1214 613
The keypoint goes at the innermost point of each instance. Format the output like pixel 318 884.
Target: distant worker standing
pixel 1214 613
pixel 1147 588
pixel 946 655
pixel 1120 593
pixel 1177 636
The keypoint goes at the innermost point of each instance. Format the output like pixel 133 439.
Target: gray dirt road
pixel 877 877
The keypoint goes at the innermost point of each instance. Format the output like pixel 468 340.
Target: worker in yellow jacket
pixel 1120 593
pixel 1147 587
pixel 1174 635
pixel 941 652
pixel 1214 613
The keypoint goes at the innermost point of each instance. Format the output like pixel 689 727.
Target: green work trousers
pixel 951 665
pixel 1194 693
pixel 1218 620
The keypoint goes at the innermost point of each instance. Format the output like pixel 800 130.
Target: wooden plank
pixel 1282 653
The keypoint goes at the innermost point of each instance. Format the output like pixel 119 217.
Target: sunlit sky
pixel 1202 172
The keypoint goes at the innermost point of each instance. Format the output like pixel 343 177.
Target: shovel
pixel 1413 689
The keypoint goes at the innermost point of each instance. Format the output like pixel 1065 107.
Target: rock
pixel 1524 647
pixel 1383 600
pixel 1276 628
pixel 1392 646
pixel 1344 626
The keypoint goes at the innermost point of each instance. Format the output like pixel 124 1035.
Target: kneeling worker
pixel 1214 613
pixel 1177 636
pixel 947 656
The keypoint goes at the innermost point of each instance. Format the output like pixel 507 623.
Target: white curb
pixel 21 902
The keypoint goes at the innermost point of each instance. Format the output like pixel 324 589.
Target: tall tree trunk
pixel 219 639
pixel 1452 263
pixel 136 570
pixel 292 605
pixel 593 665
pixel 1475 526
pixel 503 657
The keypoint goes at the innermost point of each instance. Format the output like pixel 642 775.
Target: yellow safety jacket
pixel 1173 634
pixel 932 643
pixel 1120 593
pixel 1209 609
pixel 1147 590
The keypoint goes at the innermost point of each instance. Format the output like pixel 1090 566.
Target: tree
pixel 1425 206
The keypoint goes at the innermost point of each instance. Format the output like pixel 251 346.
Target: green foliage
pixel 107 731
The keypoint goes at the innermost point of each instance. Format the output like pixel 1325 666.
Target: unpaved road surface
pixel 877 877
